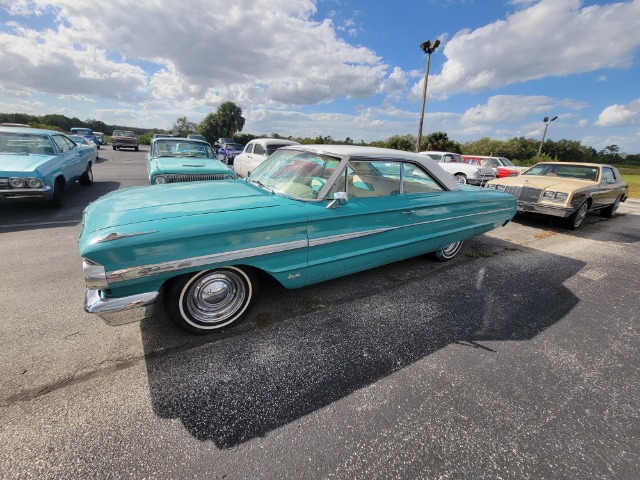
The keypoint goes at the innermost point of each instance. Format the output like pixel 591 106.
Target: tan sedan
pixel 567 190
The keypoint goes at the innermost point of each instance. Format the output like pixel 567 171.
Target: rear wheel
pixel 86 178
pixel 461 178
pixel 206 301
pixel 610 211
pixel 447 252
pixel 577 217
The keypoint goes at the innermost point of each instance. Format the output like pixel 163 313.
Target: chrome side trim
pixel 154 269
pixel 349 236
pixel 462 216
pixel 94 275
pixel 164 267
pixel 117 236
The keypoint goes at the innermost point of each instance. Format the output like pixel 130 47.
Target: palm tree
pixel 229 119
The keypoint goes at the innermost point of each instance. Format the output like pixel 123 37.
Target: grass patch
pixel 633 179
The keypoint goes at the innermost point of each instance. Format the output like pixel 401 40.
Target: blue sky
pixel 345 68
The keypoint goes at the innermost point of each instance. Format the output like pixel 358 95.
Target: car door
pixel 257 157
pixel 240 165
pixel 370 230
pixel 69 160
pixel 609 188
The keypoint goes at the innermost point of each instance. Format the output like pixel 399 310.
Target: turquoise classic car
pixel 309 213
pixel 41 164
pixel 172 160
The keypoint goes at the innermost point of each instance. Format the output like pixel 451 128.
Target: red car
pixel 502 170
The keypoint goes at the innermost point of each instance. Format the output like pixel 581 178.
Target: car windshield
pixel 232 146
pixel 122 133
pixel 22 143
pixel 294 174
pixel 506 162
pixel 580 172
pixel 181 148
pixel 81 131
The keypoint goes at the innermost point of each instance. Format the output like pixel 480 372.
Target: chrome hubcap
pixel 451 249
pixel 216 297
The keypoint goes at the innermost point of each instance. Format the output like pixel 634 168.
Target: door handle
pixel 408 212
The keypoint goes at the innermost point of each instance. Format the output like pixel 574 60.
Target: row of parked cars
pixel 305 214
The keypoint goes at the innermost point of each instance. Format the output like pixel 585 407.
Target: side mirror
pixel 339 199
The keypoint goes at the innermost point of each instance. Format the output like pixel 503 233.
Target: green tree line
pixel 227 121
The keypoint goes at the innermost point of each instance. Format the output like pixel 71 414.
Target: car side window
pixel 249 148
pixel 258 149
pixel 373 179
pixel 607 175
pixel 416 180
pixel 61 142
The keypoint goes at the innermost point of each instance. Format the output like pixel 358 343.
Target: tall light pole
pixel 546 125
pixel 428 49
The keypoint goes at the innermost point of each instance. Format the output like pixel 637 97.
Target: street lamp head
pixel 553 118
pixel 428 48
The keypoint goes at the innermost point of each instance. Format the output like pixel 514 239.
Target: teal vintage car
pixel 309 213
pixel 173 160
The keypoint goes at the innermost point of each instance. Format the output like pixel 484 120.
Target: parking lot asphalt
pixel 518 359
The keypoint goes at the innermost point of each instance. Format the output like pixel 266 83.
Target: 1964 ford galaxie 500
pixel 305 215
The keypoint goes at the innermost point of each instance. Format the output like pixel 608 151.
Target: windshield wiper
pixel 262 185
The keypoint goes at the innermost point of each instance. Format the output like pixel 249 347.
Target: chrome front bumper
pixel 556 211
pixel 120 311
pixel 19 193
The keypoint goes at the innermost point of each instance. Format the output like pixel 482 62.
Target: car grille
pixel 195 177
pixel 525 194
pixel 125 141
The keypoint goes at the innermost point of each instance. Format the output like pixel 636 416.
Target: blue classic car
pixel 228 152
pixel 41 164
pixel 307 214
pixel 86 133
pixel 172 160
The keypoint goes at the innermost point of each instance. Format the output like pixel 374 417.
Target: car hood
pixel 22 163
pixel 139 205
pixel 189 165
pixel 230 152
pixel 535 181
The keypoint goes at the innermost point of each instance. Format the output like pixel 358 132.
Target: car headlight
pixel 501 188
pixel 159 179
pixel 16 182
pixel 555 196
pixel 229 177
pixel 491 186
pixel 34 183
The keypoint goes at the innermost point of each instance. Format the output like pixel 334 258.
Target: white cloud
pixel 272 44
pixel 620 115
pixel 549 38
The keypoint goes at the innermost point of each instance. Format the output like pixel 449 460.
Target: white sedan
pixel 257 151
pixel 462 172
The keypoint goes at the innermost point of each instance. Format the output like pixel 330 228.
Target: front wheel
pixel 56 198
pixel 206 301
pixel 113 147
pixel 137 148
pixel 577 217
pixel 447 252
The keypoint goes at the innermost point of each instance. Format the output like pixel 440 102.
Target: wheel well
pixel 61 180
pixel 460 173
pixel 261 274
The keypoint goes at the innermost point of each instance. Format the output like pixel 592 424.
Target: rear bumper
pixel 120 311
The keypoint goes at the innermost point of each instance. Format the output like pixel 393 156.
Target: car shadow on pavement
pixel 301 350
